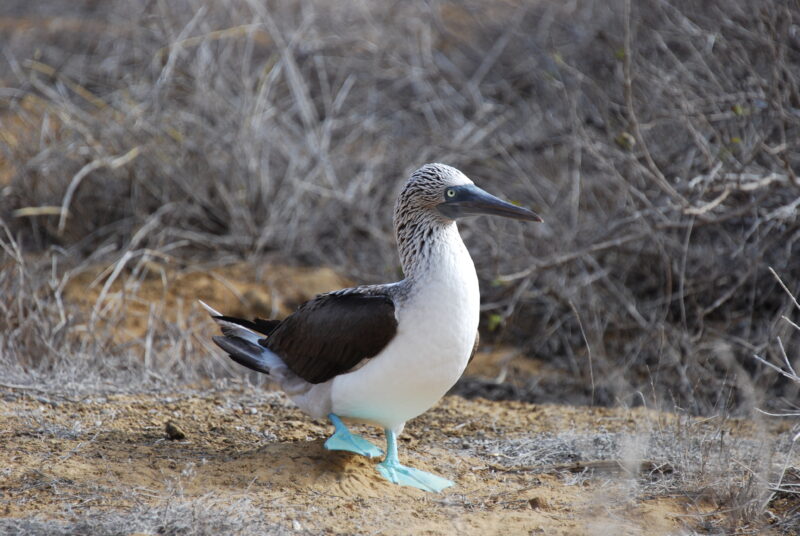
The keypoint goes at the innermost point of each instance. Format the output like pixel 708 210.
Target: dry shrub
pixel 657 139
pixel 785 487
pixel 51 346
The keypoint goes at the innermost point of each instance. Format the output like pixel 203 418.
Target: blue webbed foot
pixel 408 476
pixel 394 472
pixel 343 439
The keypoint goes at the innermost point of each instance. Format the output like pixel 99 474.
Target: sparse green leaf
pixel 495 321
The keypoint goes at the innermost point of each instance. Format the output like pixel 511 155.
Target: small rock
pixel 47 401
pixel 173 431
pixel 538 503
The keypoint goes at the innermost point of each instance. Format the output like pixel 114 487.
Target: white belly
pixel 436 334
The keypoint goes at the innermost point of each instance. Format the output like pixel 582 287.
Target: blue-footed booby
pixel 383 354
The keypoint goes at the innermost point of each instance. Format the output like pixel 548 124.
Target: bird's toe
pixel 352 443
pixel 415 478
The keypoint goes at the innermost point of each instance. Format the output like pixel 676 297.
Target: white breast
pixel 436 332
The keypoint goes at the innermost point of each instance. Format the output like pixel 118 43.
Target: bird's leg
pixel 343 439
pixel 392 471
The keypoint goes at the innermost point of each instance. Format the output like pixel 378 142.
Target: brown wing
pixel 333 333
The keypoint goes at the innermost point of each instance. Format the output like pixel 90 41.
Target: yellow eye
pixel 450 193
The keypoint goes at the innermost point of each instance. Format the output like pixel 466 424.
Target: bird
pixel 383 354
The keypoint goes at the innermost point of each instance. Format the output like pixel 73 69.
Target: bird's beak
pixel 469 200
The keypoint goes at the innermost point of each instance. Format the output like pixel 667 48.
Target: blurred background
pixel 249 153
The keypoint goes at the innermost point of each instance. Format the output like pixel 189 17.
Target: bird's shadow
pixel 279 464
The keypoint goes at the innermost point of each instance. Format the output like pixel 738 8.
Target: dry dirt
pixel 113 452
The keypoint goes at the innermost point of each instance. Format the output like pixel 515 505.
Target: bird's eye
pixel 450 193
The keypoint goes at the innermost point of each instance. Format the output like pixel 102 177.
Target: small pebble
pixel 173 431
pixel 537 503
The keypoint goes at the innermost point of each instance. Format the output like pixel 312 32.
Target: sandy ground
pixel 67 458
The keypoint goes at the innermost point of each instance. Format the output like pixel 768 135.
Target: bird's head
pixel 446 192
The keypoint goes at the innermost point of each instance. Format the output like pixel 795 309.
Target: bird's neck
pixel 431 247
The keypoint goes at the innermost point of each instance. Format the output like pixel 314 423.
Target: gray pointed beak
pixel 469 200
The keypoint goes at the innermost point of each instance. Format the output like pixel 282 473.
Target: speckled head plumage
pixel 425 189
pixel 417 223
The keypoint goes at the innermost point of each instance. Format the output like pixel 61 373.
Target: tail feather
pixel 233 327
pixel 242 342
pixel 211 310
pixel 259 325
pixel 245 353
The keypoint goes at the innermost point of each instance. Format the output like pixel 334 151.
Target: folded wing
pixel 332 333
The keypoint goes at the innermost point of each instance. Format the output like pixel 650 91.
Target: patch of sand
pixel 68 458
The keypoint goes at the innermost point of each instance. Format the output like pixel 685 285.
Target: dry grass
pixel 786 486
pixel 173 516
pixel 657 139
